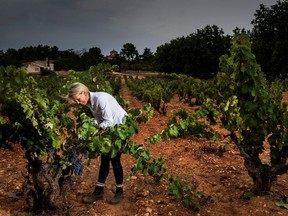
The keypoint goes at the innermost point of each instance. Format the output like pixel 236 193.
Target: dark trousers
pixel 105 166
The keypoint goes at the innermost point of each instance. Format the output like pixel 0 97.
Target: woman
pixel 106 112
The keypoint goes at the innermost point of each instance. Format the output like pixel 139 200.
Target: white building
pixel 36 66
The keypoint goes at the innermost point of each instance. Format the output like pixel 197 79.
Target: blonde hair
pixel 75 89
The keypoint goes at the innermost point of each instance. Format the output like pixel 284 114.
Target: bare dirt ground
pixel 222 176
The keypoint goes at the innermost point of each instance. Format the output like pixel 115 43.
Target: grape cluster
pixel 86 153
pixel 77 163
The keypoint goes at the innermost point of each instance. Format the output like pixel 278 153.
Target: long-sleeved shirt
pixel 106 111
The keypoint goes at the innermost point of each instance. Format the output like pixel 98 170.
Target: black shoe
pixel 98 194
pixel 118 196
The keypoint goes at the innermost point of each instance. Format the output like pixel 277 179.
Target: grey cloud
pixel 108 24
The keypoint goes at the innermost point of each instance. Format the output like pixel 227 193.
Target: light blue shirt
pixel 106 111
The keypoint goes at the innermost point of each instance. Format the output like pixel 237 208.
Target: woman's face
pixel 81 98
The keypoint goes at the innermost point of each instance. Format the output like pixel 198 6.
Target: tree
pixel 241 31
pixel 92 57
pixel 68 60
pixel 147 55
pixel 270 41
pixel 28 54
pixel 210 43
pixel 10 58
pixel 54 53
pixel 129 52
pixel 196 55
pixel 161 60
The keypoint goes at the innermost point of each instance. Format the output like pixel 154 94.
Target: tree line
pixel 196 54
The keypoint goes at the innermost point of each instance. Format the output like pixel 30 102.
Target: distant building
pixel 35 67
pixel 113 54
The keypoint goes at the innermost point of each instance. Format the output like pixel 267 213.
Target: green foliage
pixel 282 202
pixel 154 139
pixel 129 52
pixel 101 67
pixel 46 72
pixel 157 92
pixel 156 168
pixel 269 36
pixel 11 81
pixel 118 139
pixel 253 115
pixel 196 55
pixel 182 124
pixel 190 90
pixel 92 57
pixel 248 195
pixel 114 139
pixel 191 197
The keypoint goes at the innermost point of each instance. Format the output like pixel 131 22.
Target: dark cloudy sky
pixel 108 24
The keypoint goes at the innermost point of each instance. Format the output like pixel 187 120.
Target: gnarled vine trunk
pixel 43 189
pixel 263 175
